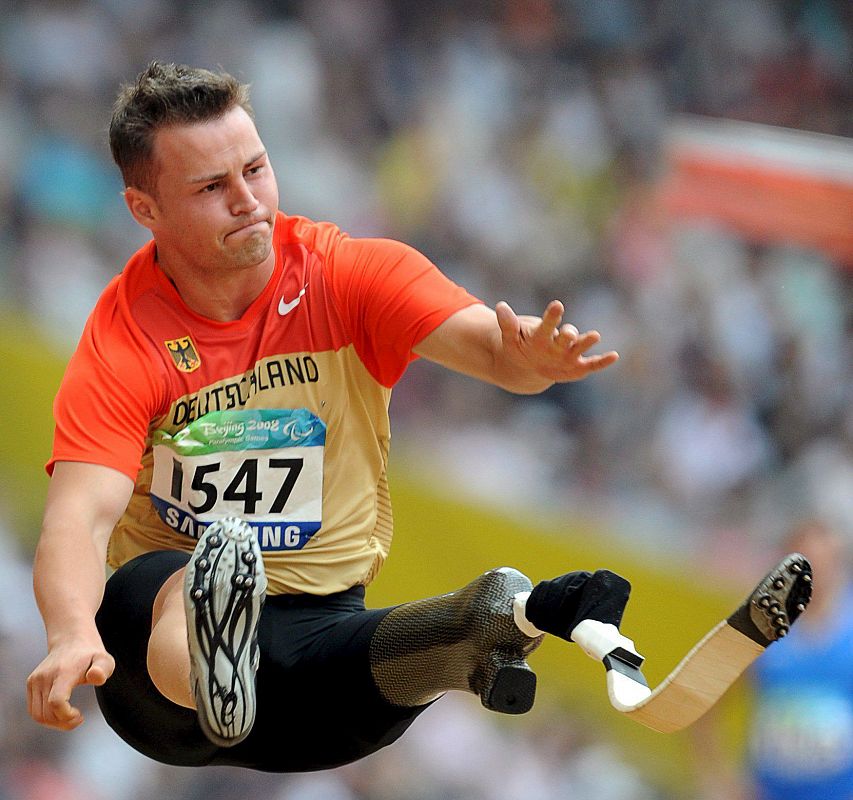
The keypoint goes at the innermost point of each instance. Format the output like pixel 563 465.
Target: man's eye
pixel 256 170
pixel 210 188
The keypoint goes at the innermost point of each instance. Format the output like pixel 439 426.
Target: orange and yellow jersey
pixel 279 417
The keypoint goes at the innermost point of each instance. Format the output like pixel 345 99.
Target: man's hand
pixel 550 349
pixel 521 354
pixel 66 666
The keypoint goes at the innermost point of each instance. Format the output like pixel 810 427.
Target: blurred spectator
pixel 801 729
pixel 800 741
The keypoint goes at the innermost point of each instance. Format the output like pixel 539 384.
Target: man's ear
pixel 143 207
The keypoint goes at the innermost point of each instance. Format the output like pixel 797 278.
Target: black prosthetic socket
pixel 465 640
pixel 558 605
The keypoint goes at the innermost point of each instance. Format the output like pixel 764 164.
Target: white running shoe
pixel 224 593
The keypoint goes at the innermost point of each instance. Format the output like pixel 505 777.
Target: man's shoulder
pixel 134 279
pixel 112 327
pixel 317 237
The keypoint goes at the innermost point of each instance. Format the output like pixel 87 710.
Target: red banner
pixel 772 185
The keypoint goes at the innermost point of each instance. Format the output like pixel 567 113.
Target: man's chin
pixel 254 251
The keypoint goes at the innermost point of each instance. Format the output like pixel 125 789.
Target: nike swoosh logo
pixel 286 306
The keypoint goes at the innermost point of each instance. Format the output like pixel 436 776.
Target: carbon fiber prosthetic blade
pixel 465 640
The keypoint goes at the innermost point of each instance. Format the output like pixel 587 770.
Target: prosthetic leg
pixel 478 638
pixel 465 640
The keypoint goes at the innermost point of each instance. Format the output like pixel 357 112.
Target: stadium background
pixel 533 149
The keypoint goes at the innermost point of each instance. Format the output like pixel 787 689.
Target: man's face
pixel 216 196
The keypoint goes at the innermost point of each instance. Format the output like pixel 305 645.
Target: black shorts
pixel 317 704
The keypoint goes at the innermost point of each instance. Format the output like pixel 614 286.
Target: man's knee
pixel 168 654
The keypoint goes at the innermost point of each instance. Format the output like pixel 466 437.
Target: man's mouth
pixel 249 227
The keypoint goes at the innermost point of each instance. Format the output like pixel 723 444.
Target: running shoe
pixel 224 592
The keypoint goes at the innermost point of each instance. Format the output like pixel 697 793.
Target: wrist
pixel 73 631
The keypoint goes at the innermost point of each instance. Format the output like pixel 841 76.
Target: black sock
pixel 558 605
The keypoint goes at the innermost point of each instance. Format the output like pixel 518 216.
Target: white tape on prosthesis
pixel 602 641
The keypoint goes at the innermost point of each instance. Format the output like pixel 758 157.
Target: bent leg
pixel 318 704
pixel 130 702
pixel 168 655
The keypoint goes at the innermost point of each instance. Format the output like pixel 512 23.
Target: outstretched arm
pixel 83 504
pixel 522 354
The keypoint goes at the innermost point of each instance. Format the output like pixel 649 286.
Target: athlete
pixel 802 723
pixel 221 442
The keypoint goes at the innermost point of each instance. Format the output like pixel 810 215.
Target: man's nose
pixel 243 201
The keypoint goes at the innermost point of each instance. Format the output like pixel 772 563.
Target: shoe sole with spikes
pixel 224 591
pixel 776 602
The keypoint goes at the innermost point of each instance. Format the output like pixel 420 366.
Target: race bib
pixel 264 466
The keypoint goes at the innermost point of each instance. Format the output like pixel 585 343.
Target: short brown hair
pixel 162 95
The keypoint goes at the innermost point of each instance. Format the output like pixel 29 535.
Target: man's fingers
pixel 37 697
pixel 568 336
pixel 507 320
pixel 57 711
pixel 580 343
pixel 34 702
pixel 49 691
pixel 595 363
pixel 100 669
pixel 58 701
pixel 555 349
pixel 65 718
pixel 551 319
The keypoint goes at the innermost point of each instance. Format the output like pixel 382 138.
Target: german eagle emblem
pixel 183 353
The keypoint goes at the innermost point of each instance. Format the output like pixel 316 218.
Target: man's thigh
pixel 130 702
pixel 318 705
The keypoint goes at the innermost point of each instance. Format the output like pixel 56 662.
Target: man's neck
pixel 225 296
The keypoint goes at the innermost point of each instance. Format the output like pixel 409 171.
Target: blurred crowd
pixel 519 144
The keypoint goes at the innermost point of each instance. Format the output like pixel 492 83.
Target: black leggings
pixel 318 706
